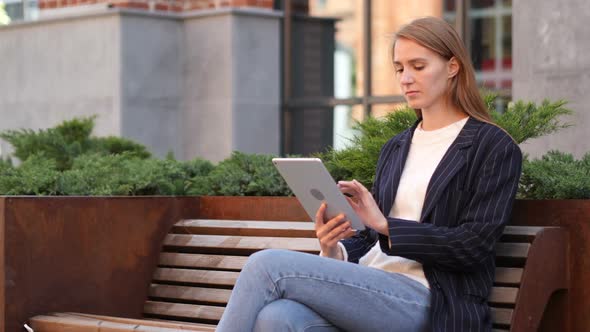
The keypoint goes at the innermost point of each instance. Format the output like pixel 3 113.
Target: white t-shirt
pixel 426 151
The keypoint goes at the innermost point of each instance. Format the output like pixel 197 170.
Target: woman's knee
pixel 287 315
pixel 273 317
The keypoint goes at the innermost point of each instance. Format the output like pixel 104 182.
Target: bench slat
pixel 85 324
pixel 48 323
pixel 499 295
pixel 244 244
pixel 196 294
pixel 202 277
pixel 504 275
pixel 202 261
pixel 245 228
pixel 503 295
pixel 140 324
pixel 302 229
pixel 523 232
pixel 508 275
pixel 501 316
pixel 512 250
pixel 520 233
pixel 183 311
pixel 251 243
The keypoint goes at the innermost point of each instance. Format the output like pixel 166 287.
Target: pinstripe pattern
pixel 468 202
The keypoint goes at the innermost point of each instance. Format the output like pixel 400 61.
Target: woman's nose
pixel 406 78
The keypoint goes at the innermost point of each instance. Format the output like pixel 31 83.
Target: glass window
pixel 483 43
pixel 490 43
pixel 348 38
pixel 14 10
pixel 478 4
pixel 449 5
pixel 507 42
pixel 19 10
pixel 487 35
pixel 450 13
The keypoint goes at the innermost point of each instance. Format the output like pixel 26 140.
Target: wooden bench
pixel 201 260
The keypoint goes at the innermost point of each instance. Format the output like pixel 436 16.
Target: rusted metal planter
pixel 252 208
pixel 83 254
pixel 97 254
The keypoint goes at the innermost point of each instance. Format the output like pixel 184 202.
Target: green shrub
pixel 556 175
pixel 126 174
pixel 524 121
pixel 521 120
pixel 117 145
pixel 67 160
pixel 5 164
pixel 37 175
pixel 243 175
pixel 67 141
pixel 167 176
pixel 97 175
pixel 61 143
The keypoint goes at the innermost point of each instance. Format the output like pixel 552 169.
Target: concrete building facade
pixel 551 54
pixel 200 85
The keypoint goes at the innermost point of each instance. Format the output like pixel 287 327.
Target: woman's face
pixel 423 75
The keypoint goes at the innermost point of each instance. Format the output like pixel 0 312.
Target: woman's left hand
pixel 364 205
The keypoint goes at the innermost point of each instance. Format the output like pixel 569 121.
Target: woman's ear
pixel 453 67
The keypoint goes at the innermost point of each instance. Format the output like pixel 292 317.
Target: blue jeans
pixel 280 290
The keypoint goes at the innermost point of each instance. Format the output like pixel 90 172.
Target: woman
pixel 443 193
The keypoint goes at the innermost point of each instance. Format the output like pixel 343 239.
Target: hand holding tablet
pixel 363 203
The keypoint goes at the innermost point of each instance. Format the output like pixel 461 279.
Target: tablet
pixel 312 184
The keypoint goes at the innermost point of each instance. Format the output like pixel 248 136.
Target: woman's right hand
pixel 330 232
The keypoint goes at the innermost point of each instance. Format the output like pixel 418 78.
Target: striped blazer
pixel 468 202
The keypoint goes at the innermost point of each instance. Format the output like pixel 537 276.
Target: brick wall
pixel 300 6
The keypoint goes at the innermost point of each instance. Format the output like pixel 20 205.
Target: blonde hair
pixel 440 37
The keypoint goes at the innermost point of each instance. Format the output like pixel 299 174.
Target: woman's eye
pixel 399 70
pixel 419 67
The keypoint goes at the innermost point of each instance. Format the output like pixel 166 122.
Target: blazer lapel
pixel 453 160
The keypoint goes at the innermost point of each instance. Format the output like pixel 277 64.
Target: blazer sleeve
pixel 480 224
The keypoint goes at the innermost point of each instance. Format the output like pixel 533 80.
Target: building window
pixel 21 10
pixel 485 26
pixel 488 38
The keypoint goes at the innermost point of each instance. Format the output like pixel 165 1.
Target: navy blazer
pixel 468 202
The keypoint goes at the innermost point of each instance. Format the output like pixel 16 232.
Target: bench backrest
pixel 201 260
